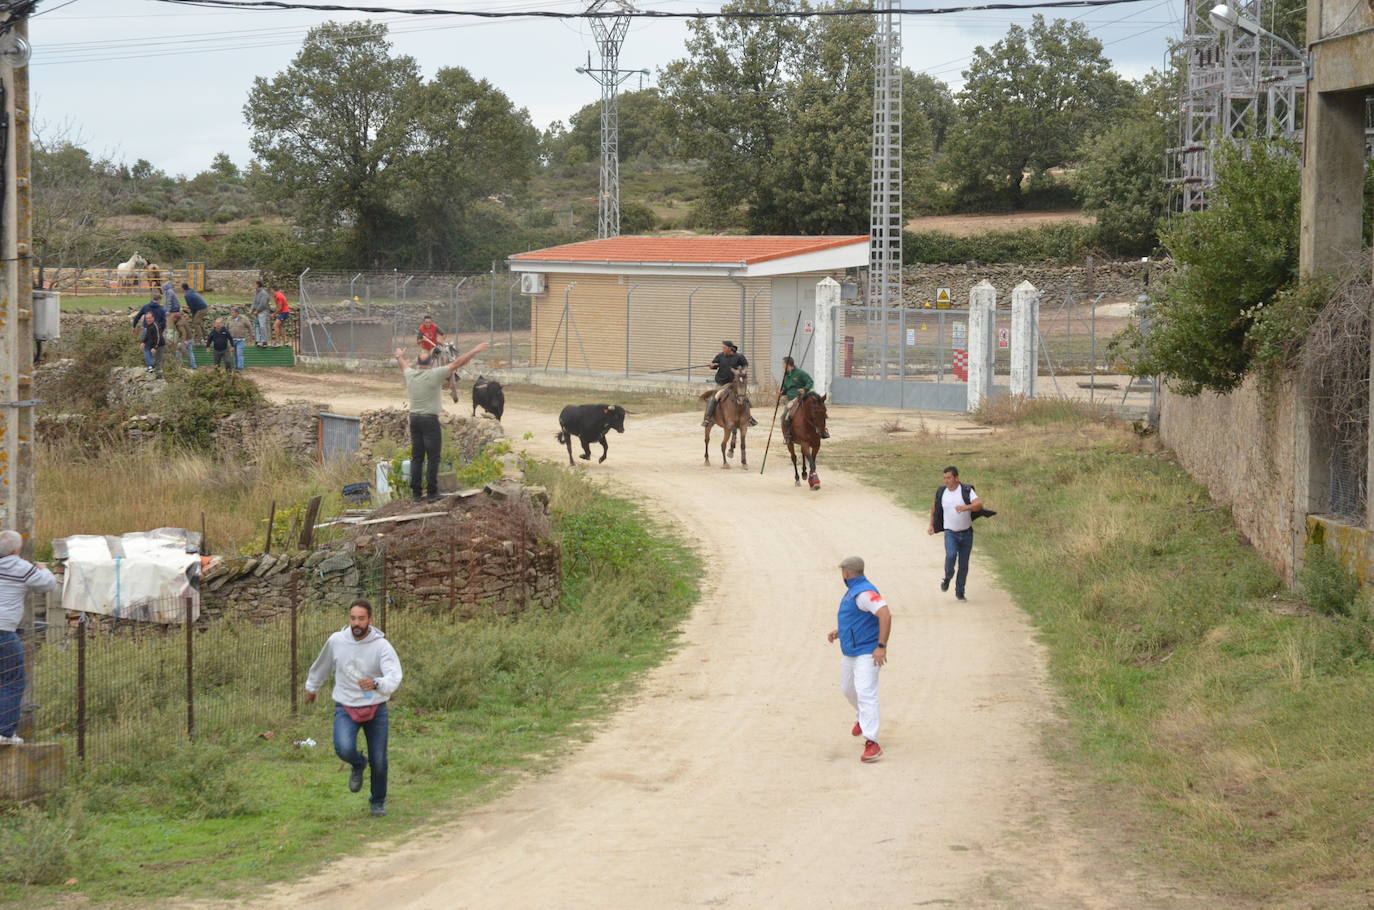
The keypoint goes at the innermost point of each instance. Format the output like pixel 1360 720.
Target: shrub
pixel 196 399
pixel 36 846
pixel 1051 242
pixel 1231 258
pixel 1326 584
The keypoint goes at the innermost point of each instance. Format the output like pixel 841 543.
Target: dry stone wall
pixel 292 427
pixel 490 553
pixel 469 435
pixel 1115 278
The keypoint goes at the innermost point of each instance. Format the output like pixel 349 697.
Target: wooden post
pixel 190 671
pixel 312 513
pixel 271 522
pixel 452 571
pixel 81 688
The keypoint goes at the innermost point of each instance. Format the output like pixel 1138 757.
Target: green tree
pixel 645 130
pixel 1120 175
pixel 781 113
pixel 1230 260
pixel 1027 105
pixel 72 195
pixel 729 96
pixel 933 99
pixel 330 126
pixel 467 142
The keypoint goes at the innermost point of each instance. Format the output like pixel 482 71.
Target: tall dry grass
pixel 122 488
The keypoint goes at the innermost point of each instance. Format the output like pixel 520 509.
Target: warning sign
pixel 943 299
pixel 808 327
pixel 911 337
pixel 1004 338
pixel 960 334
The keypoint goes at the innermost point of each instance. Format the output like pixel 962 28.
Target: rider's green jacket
pixel 796 381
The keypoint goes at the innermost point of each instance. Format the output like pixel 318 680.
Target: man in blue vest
pixel 864 624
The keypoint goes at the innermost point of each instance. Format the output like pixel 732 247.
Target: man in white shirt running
pixel 955 505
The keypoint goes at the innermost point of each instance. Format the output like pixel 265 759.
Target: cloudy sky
pixel 141 79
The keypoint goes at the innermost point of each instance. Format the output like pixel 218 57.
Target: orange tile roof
pixel 689 250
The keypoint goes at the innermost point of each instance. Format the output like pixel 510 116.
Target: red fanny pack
pixel 362 714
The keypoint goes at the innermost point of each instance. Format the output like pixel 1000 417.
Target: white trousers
pixel 859 683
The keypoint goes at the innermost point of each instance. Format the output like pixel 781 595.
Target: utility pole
pixel 609 29
pixel 16 282
pixel 885 200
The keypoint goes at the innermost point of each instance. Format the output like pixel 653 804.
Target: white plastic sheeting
pixel 146 575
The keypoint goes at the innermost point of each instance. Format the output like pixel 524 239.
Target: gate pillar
pixel 827 299
pixel 982 343
pixel 1025 338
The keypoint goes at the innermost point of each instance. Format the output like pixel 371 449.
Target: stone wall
pixel 1241 446
pixel 469 435
pixel 1116 278
pixel 293 426
pixel 493 552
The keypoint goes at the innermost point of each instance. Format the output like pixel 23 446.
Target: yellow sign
pixel 942 298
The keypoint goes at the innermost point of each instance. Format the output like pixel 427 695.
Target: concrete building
pixel 634 306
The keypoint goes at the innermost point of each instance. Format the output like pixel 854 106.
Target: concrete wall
pixel 1241 447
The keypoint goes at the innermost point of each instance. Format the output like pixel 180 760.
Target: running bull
pixel 590 423
pixel 488 395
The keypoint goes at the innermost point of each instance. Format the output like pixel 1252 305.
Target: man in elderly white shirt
pixel 18 577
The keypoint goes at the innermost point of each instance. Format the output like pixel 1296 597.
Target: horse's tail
pixel 707 394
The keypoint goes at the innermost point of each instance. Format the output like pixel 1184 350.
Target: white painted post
pixel 827 299
pixel 1025 338
pixel 982 326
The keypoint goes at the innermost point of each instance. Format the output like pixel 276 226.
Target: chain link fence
pixel 370 314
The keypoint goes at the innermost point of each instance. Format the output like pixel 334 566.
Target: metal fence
pixel 114 689
pixel 370 314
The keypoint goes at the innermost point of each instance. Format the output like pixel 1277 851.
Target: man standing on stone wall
pixel 262 312
pixel 366 674
pixel 423 384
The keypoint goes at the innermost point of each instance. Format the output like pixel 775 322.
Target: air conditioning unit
pixel 531 283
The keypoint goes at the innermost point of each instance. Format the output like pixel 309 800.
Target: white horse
pixel 127 273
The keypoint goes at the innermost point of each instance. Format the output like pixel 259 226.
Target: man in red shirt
pixel 283 313
pixel 429 335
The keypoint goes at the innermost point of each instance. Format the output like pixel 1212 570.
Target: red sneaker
pixel 872 751
pixel 857 731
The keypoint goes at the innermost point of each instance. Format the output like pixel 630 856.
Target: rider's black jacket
pixel 725 364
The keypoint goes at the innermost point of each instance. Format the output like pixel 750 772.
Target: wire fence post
pixel 452 571
pixel 383 594
pixel 190 672
pixel 295 640
pixel 81 688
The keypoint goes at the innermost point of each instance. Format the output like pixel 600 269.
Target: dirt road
pixel 731 779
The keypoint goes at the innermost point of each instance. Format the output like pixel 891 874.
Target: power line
pixel 261 5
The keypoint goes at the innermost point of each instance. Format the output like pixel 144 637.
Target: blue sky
pixel 140 79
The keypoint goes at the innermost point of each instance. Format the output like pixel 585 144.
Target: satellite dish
pixel 15 49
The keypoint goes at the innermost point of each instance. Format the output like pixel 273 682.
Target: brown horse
pixel 732 415
pixel 806 424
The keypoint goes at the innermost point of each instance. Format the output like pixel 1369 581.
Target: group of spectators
pixel 162 317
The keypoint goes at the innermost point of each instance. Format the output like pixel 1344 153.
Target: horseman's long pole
pixel 778 401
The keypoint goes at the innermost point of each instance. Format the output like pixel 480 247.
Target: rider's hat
pixel 731 345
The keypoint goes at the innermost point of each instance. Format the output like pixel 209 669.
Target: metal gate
pixel 900 358
pixel 340 436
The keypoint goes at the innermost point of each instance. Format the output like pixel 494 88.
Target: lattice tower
pixel 885 199
pixel 609 32
pixel 1236 87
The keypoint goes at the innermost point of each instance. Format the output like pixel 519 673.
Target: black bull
pixel 590 423
pixel 489 396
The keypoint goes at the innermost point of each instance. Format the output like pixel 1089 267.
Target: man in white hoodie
pixel 18 577
pixel 366 673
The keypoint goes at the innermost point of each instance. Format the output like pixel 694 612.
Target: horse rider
pixel 727 361
pixel 430 336
pixel 796 385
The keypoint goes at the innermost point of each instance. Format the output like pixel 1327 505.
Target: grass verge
pixel 1225 728
pixel 481 699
